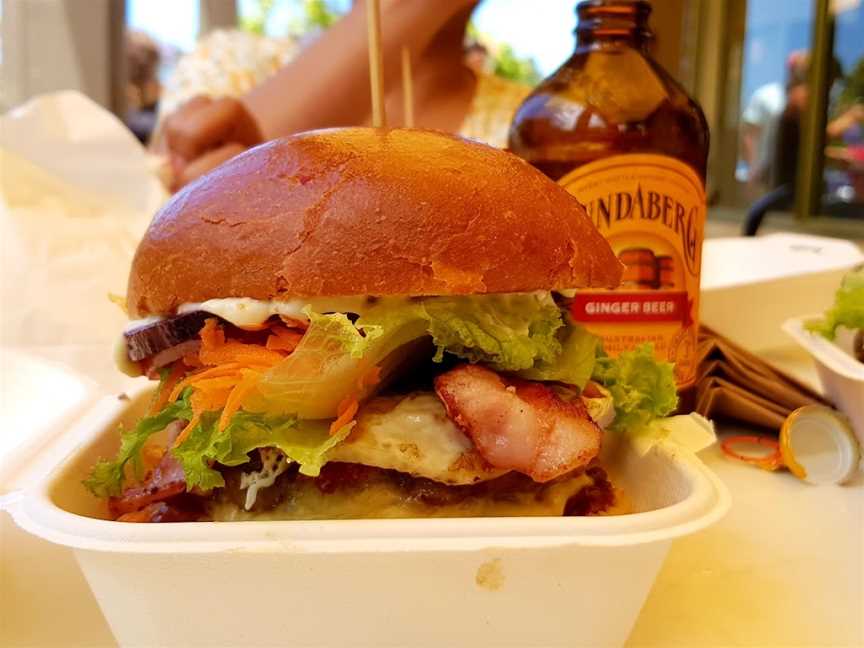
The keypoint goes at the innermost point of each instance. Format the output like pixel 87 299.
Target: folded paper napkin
pixel 734 384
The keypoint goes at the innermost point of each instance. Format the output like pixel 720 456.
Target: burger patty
pixel 347 491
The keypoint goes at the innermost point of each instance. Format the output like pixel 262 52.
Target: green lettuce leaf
pixel 107 477
pixel 305 442
pixel 203 442
pixel 848 309
pixel 575 364
pixel 329 363
pixel 506 332
pixel 642 388
pixel 291 406
pixel 338 332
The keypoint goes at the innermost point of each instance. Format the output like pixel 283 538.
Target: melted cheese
pixel 384 500
pixel 414 435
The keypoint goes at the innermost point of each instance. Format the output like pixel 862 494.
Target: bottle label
pixel 651 210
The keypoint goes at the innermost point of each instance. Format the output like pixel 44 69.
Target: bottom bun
pixel 354 491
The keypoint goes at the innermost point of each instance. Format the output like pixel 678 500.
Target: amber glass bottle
pixel 623 136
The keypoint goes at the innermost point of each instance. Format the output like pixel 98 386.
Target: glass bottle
pixel 614 128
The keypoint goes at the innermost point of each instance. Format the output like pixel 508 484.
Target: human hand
pixel 204 132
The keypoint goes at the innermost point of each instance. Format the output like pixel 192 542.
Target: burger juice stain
pixel 490 575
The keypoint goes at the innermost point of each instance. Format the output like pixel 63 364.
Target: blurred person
pixel 782 171
pixel 328 85
pixel 784 160
pixel 846 151
pixel 850 123
pixel 760 120
pixel 142 83
pixel 477 57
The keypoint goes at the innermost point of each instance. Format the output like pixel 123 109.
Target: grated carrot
pixel 229 370
pixel 184 433
pixel 283 339
pixel 219 382
pixel 211 334
pixel 191 360
pixel 370 378
pixel 166 388
pixel 151 455
pixel 224 370
pixel 203 400
pixel 239 352
pixel 346 410
pixel 232 404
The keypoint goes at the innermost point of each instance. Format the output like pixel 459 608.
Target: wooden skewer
pixel 376 63
pixel 407 88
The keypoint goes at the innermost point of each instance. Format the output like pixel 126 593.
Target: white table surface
pixel 784 568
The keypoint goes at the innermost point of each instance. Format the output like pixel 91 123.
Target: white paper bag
pixel 77 191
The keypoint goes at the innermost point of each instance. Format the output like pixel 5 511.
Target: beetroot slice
pixel 149 339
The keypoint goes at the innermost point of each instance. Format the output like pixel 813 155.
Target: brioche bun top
pixel 361 211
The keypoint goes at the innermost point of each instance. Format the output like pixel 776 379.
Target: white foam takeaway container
pixel 751 285
pixel 423 582
pixel 841 375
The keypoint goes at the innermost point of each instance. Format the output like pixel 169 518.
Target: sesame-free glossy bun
pixel 361 211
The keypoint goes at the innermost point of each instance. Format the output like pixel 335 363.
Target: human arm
pixel 328 85
pixel 847 119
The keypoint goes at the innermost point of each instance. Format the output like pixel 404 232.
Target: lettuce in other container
pixel 847 312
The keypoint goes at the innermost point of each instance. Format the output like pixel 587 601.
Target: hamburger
pixel 357 323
